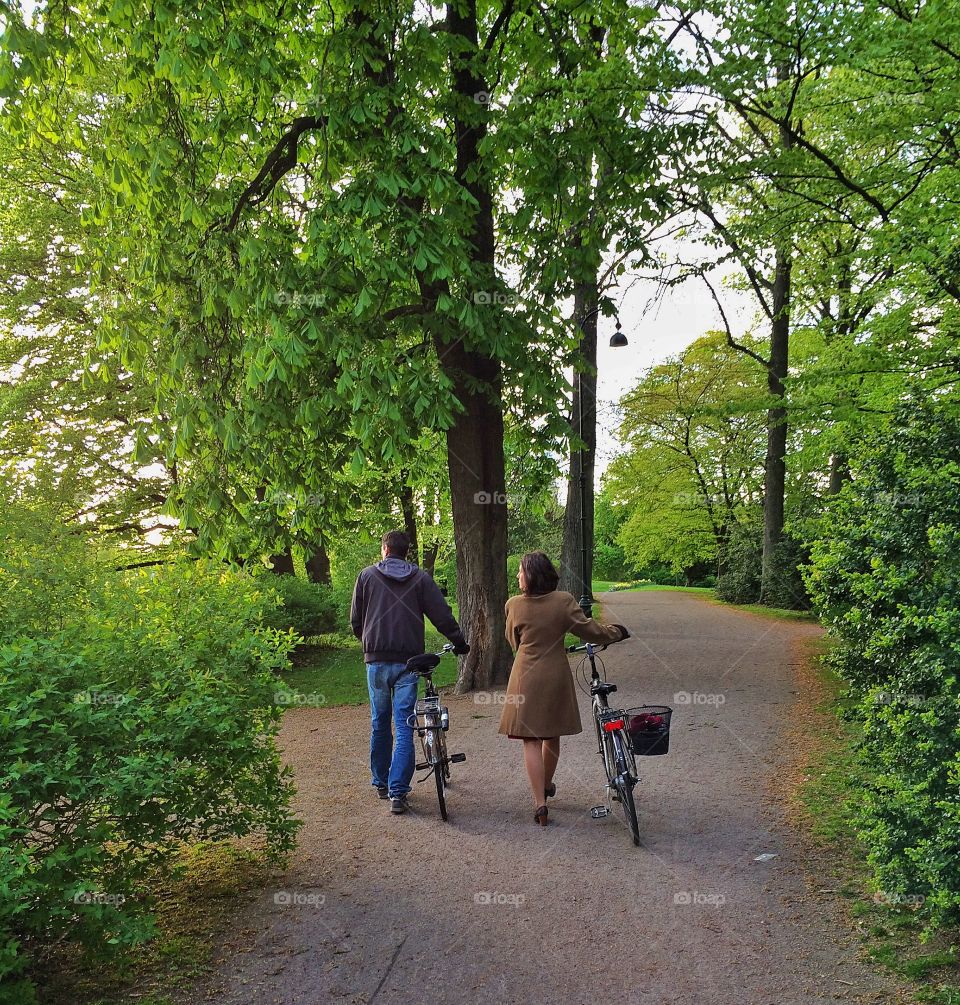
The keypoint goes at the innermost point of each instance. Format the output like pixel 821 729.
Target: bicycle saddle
pixel 423 663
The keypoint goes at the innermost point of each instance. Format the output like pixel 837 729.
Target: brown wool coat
pixel 541 699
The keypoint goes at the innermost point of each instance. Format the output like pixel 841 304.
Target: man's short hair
pixel 396 542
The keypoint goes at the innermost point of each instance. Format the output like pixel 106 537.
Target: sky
pixel 655 330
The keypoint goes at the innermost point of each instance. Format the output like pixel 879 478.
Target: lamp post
pixel 617 341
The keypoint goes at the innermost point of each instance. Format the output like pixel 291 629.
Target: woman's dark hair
pixel 539 573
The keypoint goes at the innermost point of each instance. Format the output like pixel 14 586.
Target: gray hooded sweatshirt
pixel 389 602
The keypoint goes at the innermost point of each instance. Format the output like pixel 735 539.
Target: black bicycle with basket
pixel 622 735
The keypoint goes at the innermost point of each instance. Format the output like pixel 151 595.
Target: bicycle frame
pixel 431 720
pixel 613 745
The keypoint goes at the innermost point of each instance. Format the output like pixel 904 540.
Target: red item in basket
pixel 646 721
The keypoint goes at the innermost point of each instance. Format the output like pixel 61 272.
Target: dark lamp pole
pixel 617 341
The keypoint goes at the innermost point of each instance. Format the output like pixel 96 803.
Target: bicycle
pixel 613 740
pixel 431 720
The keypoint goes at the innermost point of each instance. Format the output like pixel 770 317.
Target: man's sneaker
pixel 398 804
pixel 382 791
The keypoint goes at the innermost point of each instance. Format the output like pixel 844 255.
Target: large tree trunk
pixel 475 442
pixel 318 566
pixel 775 470
pixel 577 556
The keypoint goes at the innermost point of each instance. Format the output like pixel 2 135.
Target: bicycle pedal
pixel 599 811
pixel 457 758
pixel 424 766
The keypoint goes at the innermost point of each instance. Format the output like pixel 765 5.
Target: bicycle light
pixel 612 725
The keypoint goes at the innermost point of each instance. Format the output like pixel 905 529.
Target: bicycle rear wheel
pixel 442 754
pixel 625 783
pixel 436 755
pixel 441 798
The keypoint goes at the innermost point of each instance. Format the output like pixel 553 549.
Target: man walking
pixel 389 602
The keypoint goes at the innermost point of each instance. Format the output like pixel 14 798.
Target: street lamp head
pixel 618 340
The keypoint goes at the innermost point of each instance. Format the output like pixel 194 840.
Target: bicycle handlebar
pixel 592 647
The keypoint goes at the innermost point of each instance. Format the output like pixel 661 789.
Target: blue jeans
pixel 393 694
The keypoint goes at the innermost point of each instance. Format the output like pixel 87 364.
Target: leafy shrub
pixel 886 580
pixel 785 586
pixel 609 562
pixel 740 564
pixel 138 716
pixel 305 608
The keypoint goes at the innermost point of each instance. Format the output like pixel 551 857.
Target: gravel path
pixel 491 908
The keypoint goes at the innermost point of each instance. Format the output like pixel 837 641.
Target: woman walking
pixel 541 701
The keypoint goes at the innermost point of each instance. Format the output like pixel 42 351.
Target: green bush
pixel 886 580
pixel 610 562
pixel 305 608
pixel 740 564
pixel 134 717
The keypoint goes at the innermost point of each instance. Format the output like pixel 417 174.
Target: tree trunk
pixel 318 566
pixel 775 469
pixel 283 563
pixel 839 473
pixel 576 561
pixel 409 521
pixel 475 441
pixel 430 557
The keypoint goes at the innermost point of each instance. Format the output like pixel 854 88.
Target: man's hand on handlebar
pixel 461 650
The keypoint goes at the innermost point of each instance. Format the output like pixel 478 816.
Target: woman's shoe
pixel 550 790
pixel 540 816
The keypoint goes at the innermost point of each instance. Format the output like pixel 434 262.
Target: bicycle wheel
pixel 609 761
pixel 625 782
pixel 442 754
pixel 434 742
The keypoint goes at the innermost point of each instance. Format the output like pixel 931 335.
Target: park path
pixel 492 908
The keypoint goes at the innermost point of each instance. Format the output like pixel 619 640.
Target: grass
pixel 191 908
pixel 330 671
pixel 893 936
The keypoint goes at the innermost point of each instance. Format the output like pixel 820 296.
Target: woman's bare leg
pixel 533 760
pixel 551 754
